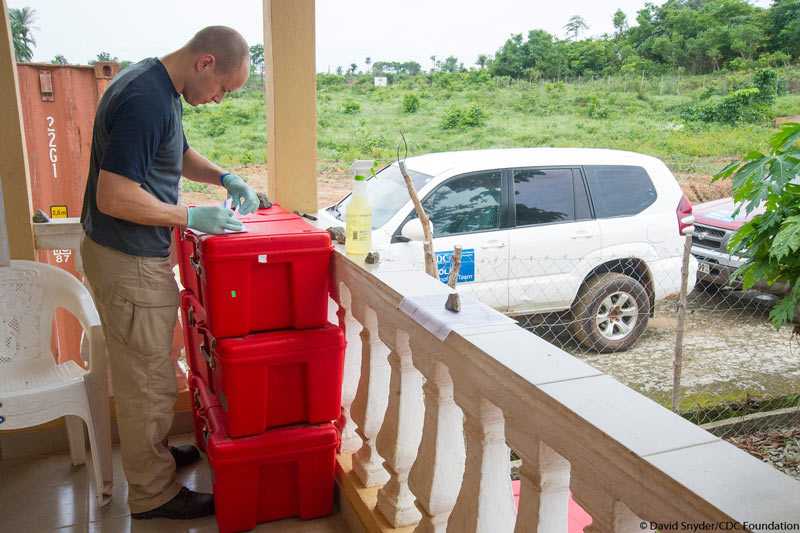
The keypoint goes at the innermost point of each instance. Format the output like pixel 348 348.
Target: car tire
pixel 610 313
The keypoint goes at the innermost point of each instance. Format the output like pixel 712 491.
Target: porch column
pixel 291 103
pixel 13 157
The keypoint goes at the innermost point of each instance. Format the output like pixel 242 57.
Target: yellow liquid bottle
pixel 358 221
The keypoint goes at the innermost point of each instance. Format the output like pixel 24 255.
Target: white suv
pixel 594 232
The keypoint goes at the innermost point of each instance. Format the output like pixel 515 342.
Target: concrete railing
pixel 430 422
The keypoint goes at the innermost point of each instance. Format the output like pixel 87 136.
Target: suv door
pixel 467 210
pixel 554 230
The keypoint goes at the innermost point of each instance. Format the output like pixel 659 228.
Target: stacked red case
pixel 272 276
pixel 286 472
pixel 263 360
pixel 271 379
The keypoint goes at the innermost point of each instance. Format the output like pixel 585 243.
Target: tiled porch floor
pixel 49 494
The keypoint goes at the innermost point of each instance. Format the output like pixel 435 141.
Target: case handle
pixel 209 358
pixel 194 259
pixel 197 403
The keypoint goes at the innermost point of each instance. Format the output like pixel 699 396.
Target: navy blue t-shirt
pixel 138 133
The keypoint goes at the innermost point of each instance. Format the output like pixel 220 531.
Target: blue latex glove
pixel 212 219
pixel 243 196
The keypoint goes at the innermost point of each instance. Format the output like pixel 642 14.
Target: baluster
pixel 485 503
pixel 400 434
pixel 369 405
pixel 351 442
pixel 544 495
pixel 437 471
pixel 609 515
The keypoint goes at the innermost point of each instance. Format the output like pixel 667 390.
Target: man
pixel 139 153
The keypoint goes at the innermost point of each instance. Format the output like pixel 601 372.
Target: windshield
pixel 387 193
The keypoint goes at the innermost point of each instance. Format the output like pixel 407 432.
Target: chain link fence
pixel 737 376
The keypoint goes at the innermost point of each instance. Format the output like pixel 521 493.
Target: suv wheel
pixel 610 313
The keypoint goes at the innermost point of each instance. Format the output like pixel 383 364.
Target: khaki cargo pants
pixel 137 298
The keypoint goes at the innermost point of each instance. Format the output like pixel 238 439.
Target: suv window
pixel 619 191
pixel 465 204
pixel 547 196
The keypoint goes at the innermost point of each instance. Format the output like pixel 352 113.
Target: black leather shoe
pixel 186 505
pixel 184 455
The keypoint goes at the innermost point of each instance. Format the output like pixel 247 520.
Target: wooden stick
pixel 427 243
pixel 455 268
pixel 677 362
pixel 453 302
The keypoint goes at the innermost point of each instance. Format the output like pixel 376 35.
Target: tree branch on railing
pixel 427 243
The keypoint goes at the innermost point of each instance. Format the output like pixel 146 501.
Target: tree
pixel 22 32
pixel 433 60
pixel 575 25
pixel 353 69
pixel 339 70
pixel 368 62
pixel 59 60
pixel 620 22
pixel 784 26
pixel 481 62
pixel 104 56
pixel 450 64
pixel 257 59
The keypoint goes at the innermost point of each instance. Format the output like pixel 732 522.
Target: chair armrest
pixel 97 357
pixel 75 297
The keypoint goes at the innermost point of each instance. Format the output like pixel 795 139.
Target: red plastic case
pixel 202 399
pixel 287 472
pixel 275 379
pixel 273 276
pixel 194 341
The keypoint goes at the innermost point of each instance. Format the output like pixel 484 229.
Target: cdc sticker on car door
pixel 444 261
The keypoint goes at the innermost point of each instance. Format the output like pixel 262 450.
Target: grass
pixel 358 121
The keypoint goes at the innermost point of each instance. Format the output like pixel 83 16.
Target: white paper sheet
pixel 430 313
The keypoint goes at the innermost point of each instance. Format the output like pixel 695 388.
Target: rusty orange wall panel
pixel 58 109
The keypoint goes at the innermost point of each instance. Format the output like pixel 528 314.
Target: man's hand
pixel 243 196
pixel 212 219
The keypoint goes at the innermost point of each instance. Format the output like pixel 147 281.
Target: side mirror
pixel 412 230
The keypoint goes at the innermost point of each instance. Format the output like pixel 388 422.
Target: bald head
pixel 227 46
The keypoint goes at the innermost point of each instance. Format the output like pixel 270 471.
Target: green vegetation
pixel 693 36
pixel 21 21
pixel 642 114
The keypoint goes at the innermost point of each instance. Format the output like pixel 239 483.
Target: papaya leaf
pixel 726 172
pixel 787 240
pixel 786 138
pixel 783 311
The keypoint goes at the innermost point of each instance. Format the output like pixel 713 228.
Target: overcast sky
pixel 348 31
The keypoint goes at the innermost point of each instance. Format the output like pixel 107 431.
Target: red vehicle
pixel 715 224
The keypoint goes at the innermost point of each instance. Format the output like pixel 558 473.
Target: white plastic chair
pixel 33 388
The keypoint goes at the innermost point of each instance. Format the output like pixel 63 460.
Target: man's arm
pixel 198 168
pixel 123 198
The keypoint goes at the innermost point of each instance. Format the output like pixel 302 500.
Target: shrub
pixel 473 117
pixel 410 103
pixel 597 109
pixel 744 105
pixel 459 118
pixel 750 103
pixel 766 81
pixel 351 107
pixel 452 118
pixel 216 126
